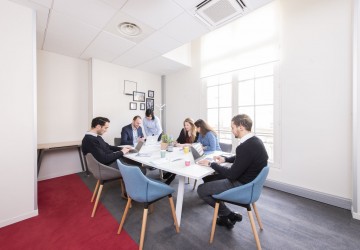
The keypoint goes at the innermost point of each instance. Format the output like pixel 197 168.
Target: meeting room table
pixel 173 162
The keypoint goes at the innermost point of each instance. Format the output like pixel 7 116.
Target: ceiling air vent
pixel 216 12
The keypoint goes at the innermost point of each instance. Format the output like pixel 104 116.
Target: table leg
pixel 39 159
pixel 180 198
pixel 81 159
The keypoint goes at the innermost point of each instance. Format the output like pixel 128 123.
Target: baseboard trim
pixel 311 194
pixel 355 215
pixel 19 218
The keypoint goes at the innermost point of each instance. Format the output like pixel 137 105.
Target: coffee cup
pixel 162 153
pixel 186 149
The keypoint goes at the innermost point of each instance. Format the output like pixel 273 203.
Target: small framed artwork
pixel 151 94
pixel 138 96
pixel 150 103
pixel 129 87
pixel 133 105
pixel 142 106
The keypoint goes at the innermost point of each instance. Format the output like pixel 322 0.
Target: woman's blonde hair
pixel 193 129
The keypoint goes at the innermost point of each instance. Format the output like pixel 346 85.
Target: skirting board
pixel 355 215
pixel 310 194
pixel 22 217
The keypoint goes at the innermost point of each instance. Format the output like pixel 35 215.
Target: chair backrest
pixel 117 141
pixel 245 194
pixel 101 171
pixel 139 187
pixel 225 147
pixel 258 184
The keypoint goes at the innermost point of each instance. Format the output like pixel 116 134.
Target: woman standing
pixel 207 136
pixel 188 134
pixel 152 124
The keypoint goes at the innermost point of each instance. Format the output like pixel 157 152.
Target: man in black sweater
pixel 250 158
pixel 93 143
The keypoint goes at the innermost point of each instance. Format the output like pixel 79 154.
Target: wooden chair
pixel 244 196
pixel 144 190
pixel 103 174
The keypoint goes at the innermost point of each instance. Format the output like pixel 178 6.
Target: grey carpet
pixel 290 222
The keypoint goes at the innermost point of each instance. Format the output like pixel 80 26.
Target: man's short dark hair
pixel 136 117
pixel 99 121
pixel 243 120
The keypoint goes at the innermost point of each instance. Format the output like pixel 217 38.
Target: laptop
pixel 152 140
pixel 197 151
pixel 137 148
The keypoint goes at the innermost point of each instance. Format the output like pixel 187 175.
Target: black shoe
pixel 224 221
pixel 234 217
pixel 151 168
pixel 170 179
pixel 167 175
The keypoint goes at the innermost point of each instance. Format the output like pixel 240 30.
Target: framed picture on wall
pixel 138 96
pixel 129 87
pixel 142 106
pixel 133 105
pixel 150 103
pixel 151 94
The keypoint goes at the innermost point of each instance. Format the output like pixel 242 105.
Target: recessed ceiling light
pixel 129 29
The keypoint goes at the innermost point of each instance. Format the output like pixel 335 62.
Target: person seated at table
pixel 94 143
pixel 250 158
pixel 132 134
pixel 187 134
pixel 152 124
pixel 103 152
pixel 207 137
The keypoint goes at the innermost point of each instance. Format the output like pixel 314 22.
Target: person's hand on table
pixel 125 149
pixel 204 162
pixel 219 159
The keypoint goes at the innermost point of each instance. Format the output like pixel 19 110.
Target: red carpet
pixel 64 221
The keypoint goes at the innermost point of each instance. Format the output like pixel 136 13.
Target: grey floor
pixel 290 222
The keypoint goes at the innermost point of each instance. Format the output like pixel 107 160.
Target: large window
pixel 252 92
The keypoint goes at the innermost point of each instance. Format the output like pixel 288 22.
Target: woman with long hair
pixel 187 134
pixel 207 136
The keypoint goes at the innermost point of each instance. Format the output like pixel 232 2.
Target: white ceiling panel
pixel 135 56
pixel 117 4
pixel 160 43
pixel 93 12
pixel 68 36
pixel 156 13
pixel 45 3
pixel 107 47
pixel 188 4
pixel 185 28
pixel 161 66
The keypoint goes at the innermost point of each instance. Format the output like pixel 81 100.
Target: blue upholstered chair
pixel 142 189
pixel 244 196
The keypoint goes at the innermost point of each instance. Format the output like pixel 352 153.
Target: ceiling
pixel 89 29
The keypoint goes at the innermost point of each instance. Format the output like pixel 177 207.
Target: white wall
pixel 18 185
pixel 315 82
pixel 108 99
pixel 63 86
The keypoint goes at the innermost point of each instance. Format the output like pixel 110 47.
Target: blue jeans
pixel 210 188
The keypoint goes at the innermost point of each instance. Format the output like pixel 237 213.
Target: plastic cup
pixel 187 163
pixel 162 153
pixel 186 149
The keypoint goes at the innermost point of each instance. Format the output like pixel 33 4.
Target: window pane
pixel 264 119
pixel 264 70
pixel 225 119
pixel 225 95
pixel 212 97
pixel 268 141
pixel 212 118
pixel 211 81
pixel 225 137
pixel 246 93
pixel 225 78
pixel 264 90
pixel 245 74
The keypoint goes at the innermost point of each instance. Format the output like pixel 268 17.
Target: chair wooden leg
pixel 194 185
pixel 97 200
pixel 253 227
pixel 216 210
pixel 143 227
pixel 95 190
pixel 174 214
pixel 128 204
pixel 123 190
pixel 257 216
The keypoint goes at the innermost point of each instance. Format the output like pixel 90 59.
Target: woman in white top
pixel 151 124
